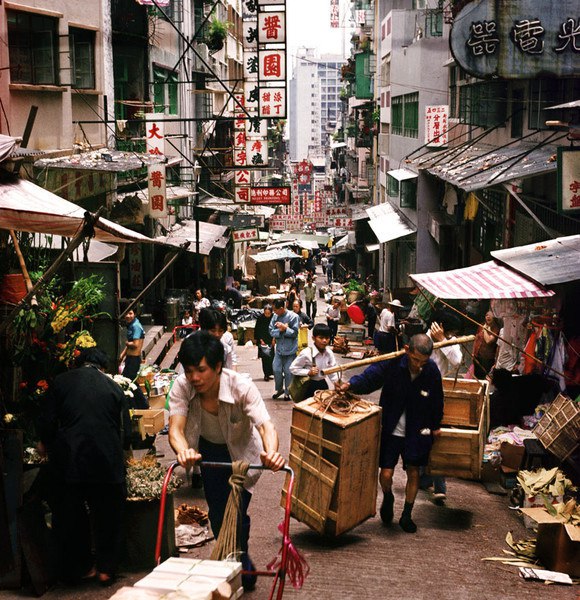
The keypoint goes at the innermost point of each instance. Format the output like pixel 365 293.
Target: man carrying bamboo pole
pixel 412 403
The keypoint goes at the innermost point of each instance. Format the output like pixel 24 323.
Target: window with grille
pixel 434 20
pixel 82 58
pixel 483 104
pixel 165 91
pixel 405 115
pixel 392 187
pixel 453 91
pixel 408 197
pixel 32 48
pixel 549 92
pixel 489 222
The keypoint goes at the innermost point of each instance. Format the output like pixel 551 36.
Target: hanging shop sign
pixel 436 124
pixel 135 267
pixel 157 191
pixel 270 195
pixel 155 134
pixel 569 180
pixel 245 235
pixel 334 14
pixel 517 39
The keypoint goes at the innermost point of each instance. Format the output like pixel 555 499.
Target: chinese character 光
pixel 482 38
pixel 526 35
pixel 570 33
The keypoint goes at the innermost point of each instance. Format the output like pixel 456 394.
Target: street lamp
pixel 196 174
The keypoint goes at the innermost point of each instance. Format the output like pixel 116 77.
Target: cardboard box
pixel 157 401
pixel 538 502
pixel 511 456
pixel 558 544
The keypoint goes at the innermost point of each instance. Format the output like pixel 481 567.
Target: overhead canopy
pixel 96 252
pixel 475 168
pixel 24 206
pixel 7 146
pixel 210 236
pixel 305 237
pixel 386 223
pixel 402 174
pixel 487 280
pixel 276 254
pixel 548 263
pixel 345 244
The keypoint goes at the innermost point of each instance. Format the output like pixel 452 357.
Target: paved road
pixel 443 560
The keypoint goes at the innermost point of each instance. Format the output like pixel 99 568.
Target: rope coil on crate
pixel 341 403
pixel 227 541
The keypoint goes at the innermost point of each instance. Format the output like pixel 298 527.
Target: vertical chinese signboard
pixel 569 180
pixel 155 135
pixel 436 124
pixel 157 195
pixel 334 14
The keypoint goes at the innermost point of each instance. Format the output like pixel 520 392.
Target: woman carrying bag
pixel 264 341
pixel 307 366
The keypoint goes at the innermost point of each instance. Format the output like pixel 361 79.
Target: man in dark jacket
pixel 412 403
pixel 84 426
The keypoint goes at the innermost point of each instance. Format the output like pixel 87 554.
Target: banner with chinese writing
pixel 245 235
pixel 436 124
pixel 155 134
pixel 157 195
pixel 569 179
pixel 270 195
pixel 135 267
pixel 334 14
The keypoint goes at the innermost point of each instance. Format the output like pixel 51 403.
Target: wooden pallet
pixel 170 359
pixel 152 334
pixel 158 351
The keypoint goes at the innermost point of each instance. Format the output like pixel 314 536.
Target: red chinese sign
pixel 155 135
pixel 245 235
pixel 270 195
pixel 436 123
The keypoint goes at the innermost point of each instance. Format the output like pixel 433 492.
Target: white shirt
pixel 447 359
pixel 386 320
pixel 333 314
pixel 241 411
pixel 231 358
pixel 199 304
pixel 310 357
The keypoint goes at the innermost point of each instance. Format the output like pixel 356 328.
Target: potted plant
pixel 217 32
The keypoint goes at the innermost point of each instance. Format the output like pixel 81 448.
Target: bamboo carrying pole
pixel 368 361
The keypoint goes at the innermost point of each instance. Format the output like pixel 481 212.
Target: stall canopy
pixel 549 263
pixel 487 280
pixel 7 146
pixel 276 254
pixel 210 236
pixel 386 223
pixel 24 206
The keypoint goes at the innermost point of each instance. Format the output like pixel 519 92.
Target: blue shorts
pixel 393 447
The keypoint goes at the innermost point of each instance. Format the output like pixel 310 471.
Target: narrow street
pixel 443 560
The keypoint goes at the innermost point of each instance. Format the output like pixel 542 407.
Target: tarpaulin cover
pixel 24 206
pixel 7 146
pixel 275 254
pixel 487 280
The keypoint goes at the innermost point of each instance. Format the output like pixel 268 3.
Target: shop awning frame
pixel 489 280
pixel 402 174
pixel 387 224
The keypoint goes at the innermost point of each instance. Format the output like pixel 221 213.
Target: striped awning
pixel 487 280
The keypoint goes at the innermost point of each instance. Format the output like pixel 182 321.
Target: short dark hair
pixel 321 330
pixel 209 318
pixel 94 356
pixel 448 320
pixel 200 345
pixel 267 307
pixel 279 303
pixel 422 343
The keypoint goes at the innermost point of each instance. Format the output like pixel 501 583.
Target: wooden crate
pixel 157 401
pixel 464 399
pixel 153 419
pixel 336 461
pixel 458 452
pixel 559 428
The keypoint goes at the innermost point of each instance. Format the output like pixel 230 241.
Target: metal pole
pixel 197 257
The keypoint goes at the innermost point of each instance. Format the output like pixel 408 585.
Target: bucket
pixel 172 307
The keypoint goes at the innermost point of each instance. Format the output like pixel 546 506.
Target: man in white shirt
pixel 385 337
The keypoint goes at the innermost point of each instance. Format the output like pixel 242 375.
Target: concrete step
pixel 159 349
pixel 170 359
pixel 152 334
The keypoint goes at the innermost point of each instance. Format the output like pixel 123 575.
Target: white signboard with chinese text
pixel 272 102
pixel 155 134
pixel 569 179
pixel 436 125
pixel 272 65
pixel 245 235
pixel 271 27
pixel 270 195
pixel 334 14
pixel 157 195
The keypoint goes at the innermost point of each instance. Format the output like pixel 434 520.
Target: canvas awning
pixel 549 263
pixel 275 254
pixel 474 168
pixel 96 252
pixel 345 244
pixel 24 206
pixel 210 236
pixel 304 237
pixel 402 174
pixel 8 145
pixel 386 223
pixel 488 280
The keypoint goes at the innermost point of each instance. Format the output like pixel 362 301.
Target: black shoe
pixel 407 524
pixel 386 511
pixel 276 395
pixel 287 398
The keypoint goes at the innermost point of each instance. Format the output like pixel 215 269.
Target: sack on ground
pixel 298 387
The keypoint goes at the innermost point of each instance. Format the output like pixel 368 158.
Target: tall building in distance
pixel 314 103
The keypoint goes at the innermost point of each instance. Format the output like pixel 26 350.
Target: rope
pixel 341 403
pixel 227 542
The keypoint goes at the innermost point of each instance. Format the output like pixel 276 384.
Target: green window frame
pixel 32 48
pixel 434 20
pixel 82 58
pixel 408 197
pixel 392 187
pixel 405 115
pixel 165 91
pixel 397 115
pixel 483 104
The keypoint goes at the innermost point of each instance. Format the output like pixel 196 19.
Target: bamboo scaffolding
pixel 465 339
